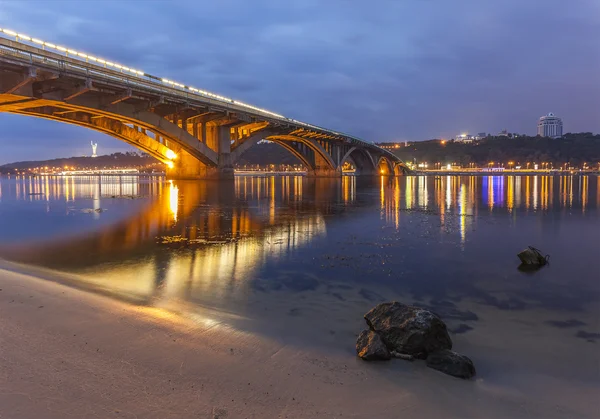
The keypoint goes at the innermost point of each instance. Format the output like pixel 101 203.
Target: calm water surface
pixel 302 259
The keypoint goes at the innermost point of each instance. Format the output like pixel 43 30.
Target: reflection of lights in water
pixel 563 191
pixel 272 200
pixel 348 188
pixel 584 192
pixel 439 196
pixel 448 192
pixel 96 200
pixel 397 203
pixel 570 191
pixel 490 191
pixel 382 194
pixel 510 193
pixel 544 191
pixel 66 188
pixel 462 211
pixel 423 192
pixel 527 192
pixel 518 191
pixel 173 200
pixel 551 191
pixel 219 272
pixel 473 183
pixel 535 192
pixel 408 193
pixel 46 188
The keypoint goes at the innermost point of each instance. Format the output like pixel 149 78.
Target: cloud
pixel 382 70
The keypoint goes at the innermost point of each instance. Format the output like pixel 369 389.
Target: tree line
pixel 574 149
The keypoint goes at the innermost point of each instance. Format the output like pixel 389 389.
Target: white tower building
pixel 550 126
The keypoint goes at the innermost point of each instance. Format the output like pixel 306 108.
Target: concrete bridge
pixel 197 134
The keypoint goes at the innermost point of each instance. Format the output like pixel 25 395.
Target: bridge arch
pixel 115 129
pixel 303 159
pixel 400 169
pixel 385 166
pixel 361 158
pixel 321 155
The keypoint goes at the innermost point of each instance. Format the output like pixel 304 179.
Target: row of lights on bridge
pixel 106 63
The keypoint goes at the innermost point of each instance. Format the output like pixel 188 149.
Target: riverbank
pixel 67 353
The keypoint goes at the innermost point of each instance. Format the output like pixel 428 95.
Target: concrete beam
pixel 206 117
pixel 12 82
pixel 120 98
pixel 79 91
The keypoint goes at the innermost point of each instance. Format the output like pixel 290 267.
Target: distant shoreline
pixel 504 173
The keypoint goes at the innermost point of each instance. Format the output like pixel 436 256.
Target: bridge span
pixel 197 134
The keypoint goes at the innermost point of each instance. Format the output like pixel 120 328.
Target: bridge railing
pixel 34 56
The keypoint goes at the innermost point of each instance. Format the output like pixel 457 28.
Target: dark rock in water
pixel 370 347
pixel 532 257
pixel 408 330
pixel 451 363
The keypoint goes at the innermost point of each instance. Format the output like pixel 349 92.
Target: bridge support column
pixel 187 166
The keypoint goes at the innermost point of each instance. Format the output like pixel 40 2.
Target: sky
pixel 384 70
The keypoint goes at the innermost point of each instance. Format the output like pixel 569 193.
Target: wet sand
pixel 68 353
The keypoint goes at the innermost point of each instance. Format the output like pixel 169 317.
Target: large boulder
pixel 451 363
pixel 408 330
pixel 370 347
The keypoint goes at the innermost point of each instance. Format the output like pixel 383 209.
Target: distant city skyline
pixel 352 69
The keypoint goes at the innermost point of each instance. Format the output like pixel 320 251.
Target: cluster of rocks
pixel 402 331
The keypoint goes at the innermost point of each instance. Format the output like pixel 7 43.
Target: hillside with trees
pixel 574 149
pixel 116 160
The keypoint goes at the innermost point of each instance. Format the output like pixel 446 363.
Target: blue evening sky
pixel 382 70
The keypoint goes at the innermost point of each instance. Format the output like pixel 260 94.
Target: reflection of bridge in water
pixel 231 233
pixel 221 235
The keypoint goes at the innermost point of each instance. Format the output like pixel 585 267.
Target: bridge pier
pixel 188 167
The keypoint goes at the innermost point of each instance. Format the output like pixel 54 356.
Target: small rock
pixel 370 347
pixel 407 329
pixel 451 363
pixel 532 257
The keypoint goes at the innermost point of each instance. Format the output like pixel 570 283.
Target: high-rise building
pixel 550 126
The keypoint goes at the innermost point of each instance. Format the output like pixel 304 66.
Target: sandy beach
pixel 67 353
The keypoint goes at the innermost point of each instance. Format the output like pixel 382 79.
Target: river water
pixel 301 260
